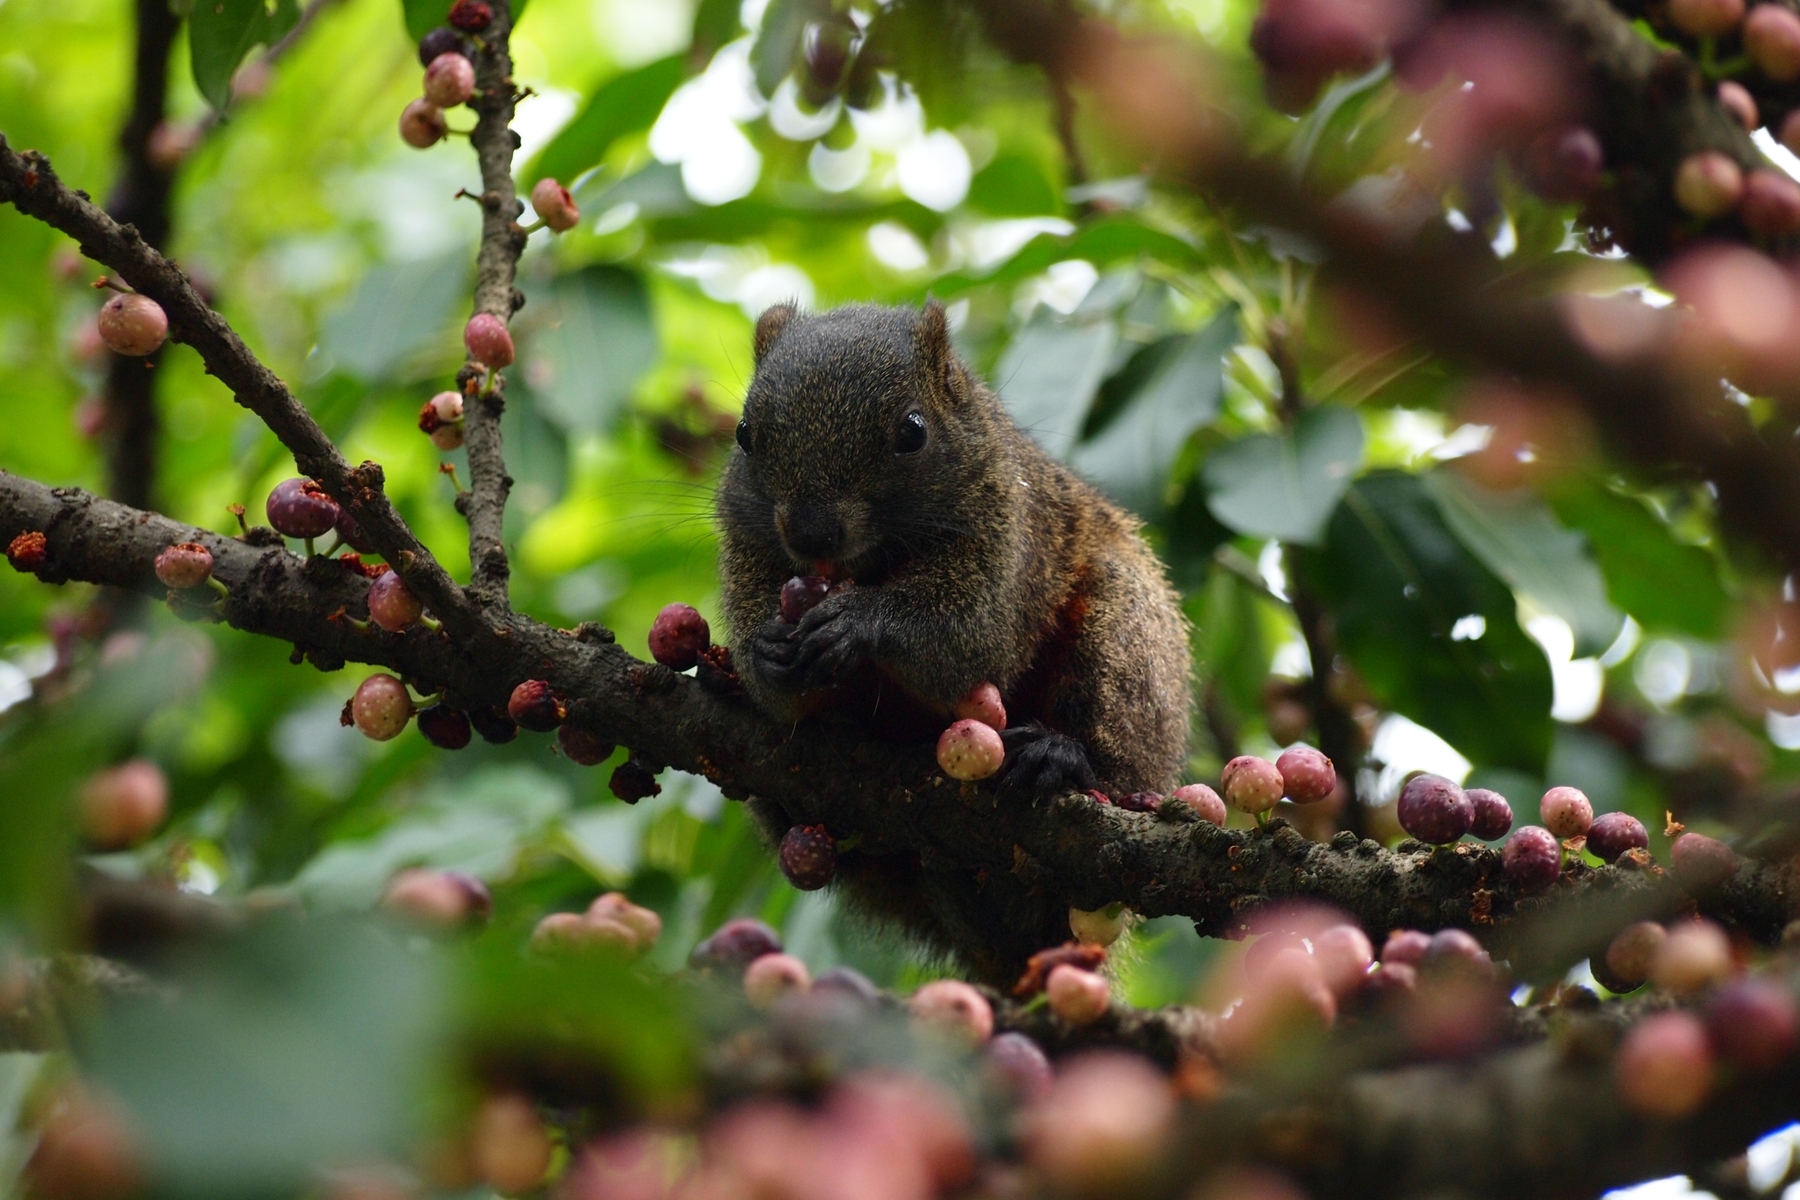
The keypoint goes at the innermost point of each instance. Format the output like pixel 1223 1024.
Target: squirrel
pixel 869 454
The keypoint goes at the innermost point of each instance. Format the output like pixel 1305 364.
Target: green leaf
pixel 398 311
pixel 1013 185
pixel 1338 106
pixel 1665 584
pixel 1176 391
pixel 1520 540
pixel 1190 536
pixel 596 341
pixel 476 824
pixel 1105 241
pixel 301 1045
pixel 715 23
pixel 1396 581
pixel 1050 372
pixel 777 48
pixel 537 457
pixel 623 104
pixel 221 32
pixel 1286 486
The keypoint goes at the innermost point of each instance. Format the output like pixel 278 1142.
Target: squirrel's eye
pixel 743 436
pixel 911 438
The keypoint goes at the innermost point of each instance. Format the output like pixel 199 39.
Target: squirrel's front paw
pixel 1041 762
pixel 827 645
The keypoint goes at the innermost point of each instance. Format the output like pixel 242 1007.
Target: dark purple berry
pixel 444 727
pixel 678 636
pixel 1565 165
pixel 632 781
pixel 1406 946
pixel 442 40
pixel 848 981
pixel 825 56
pixel 801 594
pixel 299 508
pixel 1532 858
pixel 471 16
pixel 1435 810
pixel 1021 1067
pixel 808 857
pixel 536 707
pixel 1493 815
pixel 583 747
pixel 1753 1023
pixel 494 726
pixel 736 944
pixel 1147 802
pixel 1450 946
pixel 1702 861
pixel 1613 833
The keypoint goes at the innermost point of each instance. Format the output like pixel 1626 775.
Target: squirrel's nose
pixel 813 531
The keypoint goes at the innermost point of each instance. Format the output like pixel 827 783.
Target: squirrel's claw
pixel 820 651
pixel 1041 763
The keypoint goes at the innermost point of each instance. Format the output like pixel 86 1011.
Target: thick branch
pixel 29 184
pixel 1074 848
pixel 501 244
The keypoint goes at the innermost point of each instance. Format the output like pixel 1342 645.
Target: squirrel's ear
pixel 774 319
pixel 931 340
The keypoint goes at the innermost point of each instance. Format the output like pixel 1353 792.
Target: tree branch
pixel 895 798
pixel 501 244
pixel 140 198
pixel 29 184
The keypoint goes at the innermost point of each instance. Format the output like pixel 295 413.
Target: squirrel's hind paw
pixel 1041 763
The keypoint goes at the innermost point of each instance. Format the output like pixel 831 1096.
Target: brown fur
pixel 977 557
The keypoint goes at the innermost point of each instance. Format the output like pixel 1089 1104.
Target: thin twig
pixel 28 182
pixel 495 266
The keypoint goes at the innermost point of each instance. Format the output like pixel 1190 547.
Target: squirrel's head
pixel 860 437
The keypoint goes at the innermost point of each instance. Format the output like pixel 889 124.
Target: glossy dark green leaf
pixel 1178 392
pixel 1665 584
pixel 1519 538
pixel 1286 486
pixel 399 310
pixel 221 32
pixel 593 339
pixel 1050 372
pixel 624 104
pixel 1190 534
pixel 1396 582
